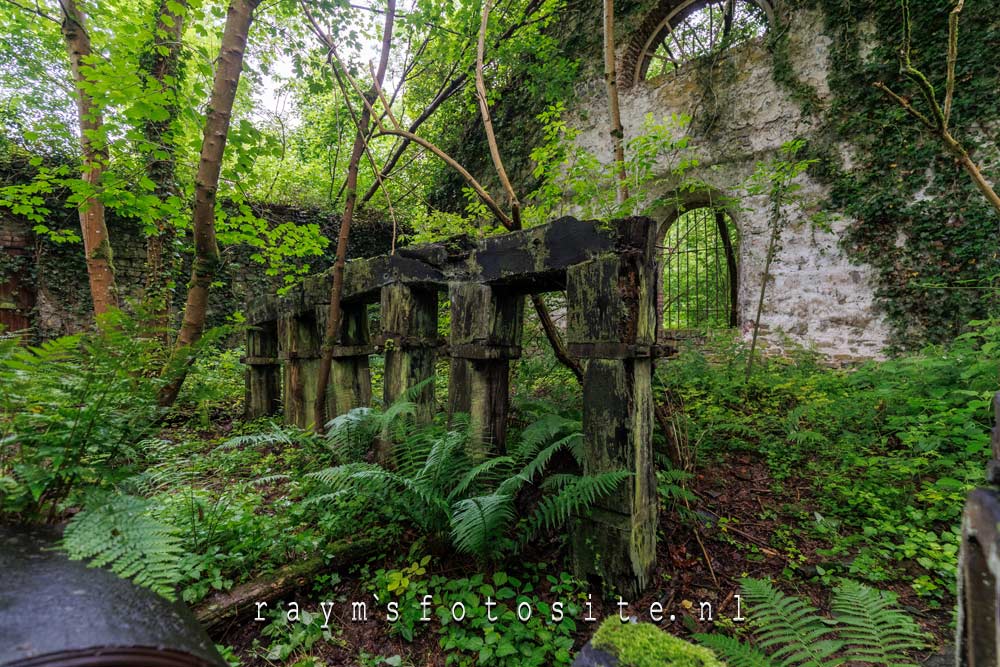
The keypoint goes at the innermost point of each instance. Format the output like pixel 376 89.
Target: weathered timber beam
pixel 526 261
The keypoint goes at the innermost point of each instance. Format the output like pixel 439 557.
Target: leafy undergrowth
pixel 804 476
pixel 882 453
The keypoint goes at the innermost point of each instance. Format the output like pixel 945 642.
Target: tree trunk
pixel 332 332
pixel 96 243
pixel 160 137
pixel 206 249
pixel 615 116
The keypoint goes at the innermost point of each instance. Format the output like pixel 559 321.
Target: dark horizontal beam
pixel 525 261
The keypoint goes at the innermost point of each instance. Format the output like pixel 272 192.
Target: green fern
pixel 122 535
pixel 876 631
pixel 867 628
pixel 555 510
pixel 791 628
pixel 734 652
pixel 447 493
pixel 476 521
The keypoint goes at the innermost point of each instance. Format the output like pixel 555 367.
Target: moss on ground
pixel 645 645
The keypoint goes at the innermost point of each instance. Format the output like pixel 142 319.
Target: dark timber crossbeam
pixel 526 261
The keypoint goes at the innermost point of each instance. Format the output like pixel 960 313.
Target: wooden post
pixel 409 341
pixel 299 343
pixel 612 328
pixel 263 393
pixel 350 375
pixel 486 329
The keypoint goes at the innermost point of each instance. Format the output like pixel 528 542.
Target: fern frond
pixel 476 522
pixel 351 434
pixel 274 435
pixel 733 652
pixel 874 630
pixel 480 471
pixel 542 431
pixel 538 463
pixel 794 631
pixel 384 478
pixel 122 535
pixel 269 479
pixel 553 511
pixel 338 478
pixel 445 461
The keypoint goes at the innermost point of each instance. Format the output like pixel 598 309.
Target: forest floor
pixel 745 526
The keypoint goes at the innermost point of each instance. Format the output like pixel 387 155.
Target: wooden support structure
pixel 978 627
pixel 350 376
pixel 299 340
pixel 608 271
pixel 263 392
pixel 486 325
pixel 612 328
pixel 409 341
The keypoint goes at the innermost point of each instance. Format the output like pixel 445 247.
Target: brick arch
pixel 628 71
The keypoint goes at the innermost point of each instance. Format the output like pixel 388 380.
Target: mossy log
pixel 242 600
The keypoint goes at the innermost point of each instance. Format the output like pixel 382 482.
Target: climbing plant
pixel 915 216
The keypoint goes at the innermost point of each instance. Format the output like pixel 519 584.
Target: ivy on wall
pixel 917 218
pixel 59 273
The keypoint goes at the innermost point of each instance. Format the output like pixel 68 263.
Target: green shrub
pixel 890 447
pixel 73 414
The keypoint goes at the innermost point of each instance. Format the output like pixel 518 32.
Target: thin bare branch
pixel 949 87
pixel 484 110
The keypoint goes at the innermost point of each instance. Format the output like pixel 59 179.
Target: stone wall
pixel 56 274
pixel 817 296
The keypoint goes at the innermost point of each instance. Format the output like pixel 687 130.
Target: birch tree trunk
pixel 332 333
pixel 614 112
pixel 96 243
pixel 161 61
pixel 213 147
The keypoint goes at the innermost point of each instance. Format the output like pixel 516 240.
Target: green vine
pixel 917 219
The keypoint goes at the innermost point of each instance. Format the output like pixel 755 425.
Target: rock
pixel 943 658
pixel 617 644
pixel 594 657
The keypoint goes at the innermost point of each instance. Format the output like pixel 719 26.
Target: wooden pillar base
pixel 299 347
pixel 409 342
pixel 350 374
pixel 485 335
pixel 263 375
pixel 612 329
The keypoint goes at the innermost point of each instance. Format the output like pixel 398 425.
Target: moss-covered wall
pixel 59 275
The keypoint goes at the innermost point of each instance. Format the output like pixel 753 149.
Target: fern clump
pixel 122 535
pixel 449 493
pixel 866 628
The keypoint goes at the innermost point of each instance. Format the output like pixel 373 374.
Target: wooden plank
pixel 526 261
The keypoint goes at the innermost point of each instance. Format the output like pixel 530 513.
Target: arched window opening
pixel 699 271
pixel 695 28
